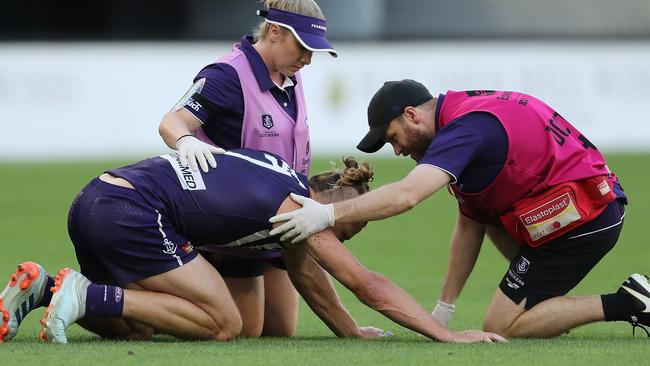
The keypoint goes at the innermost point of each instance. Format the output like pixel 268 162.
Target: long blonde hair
pixel 302 7
pixel 334 182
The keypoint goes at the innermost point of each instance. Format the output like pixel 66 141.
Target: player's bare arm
pixel 380 293
pixel 314 286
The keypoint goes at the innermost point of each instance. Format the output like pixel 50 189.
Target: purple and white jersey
pixel 228 206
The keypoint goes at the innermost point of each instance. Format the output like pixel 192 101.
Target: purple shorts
pixel 120 238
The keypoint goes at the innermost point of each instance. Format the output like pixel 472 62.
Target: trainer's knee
pixel 493 326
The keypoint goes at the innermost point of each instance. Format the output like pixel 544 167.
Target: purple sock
pixel 47 293
pixel 104 300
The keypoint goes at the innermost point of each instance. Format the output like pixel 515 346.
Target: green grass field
pixel 410 249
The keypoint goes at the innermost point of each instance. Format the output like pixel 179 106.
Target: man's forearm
pixel 394 198
pixel 387 201
pixel 466 244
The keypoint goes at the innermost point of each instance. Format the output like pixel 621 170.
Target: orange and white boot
pixel 67 306
pixel 23 293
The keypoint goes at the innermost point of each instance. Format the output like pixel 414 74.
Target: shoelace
pixel 635 325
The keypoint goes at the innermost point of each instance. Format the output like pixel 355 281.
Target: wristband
pixel 178 139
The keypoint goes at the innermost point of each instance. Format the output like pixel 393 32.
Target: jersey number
pixel 560 134
pixel 272 163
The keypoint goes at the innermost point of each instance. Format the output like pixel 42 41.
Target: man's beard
pixel 419 143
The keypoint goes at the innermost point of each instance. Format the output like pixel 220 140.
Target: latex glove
pixel 443 312
pixel 373 332
pixel 192 150
pixel 300 224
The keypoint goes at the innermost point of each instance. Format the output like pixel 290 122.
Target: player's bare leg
pixel 549 318
pixel 281 304
pixel 248 294
pixel 119 328
pixel 191 302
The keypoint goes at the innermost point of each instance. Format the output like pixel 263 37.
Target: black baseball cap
pixel 387 104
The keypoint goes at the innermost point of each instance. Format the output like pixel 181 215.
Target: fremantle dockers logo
pixel 523 265
pixel 267 121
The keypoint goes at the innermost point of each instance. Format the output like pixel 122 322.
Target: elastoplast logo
pixel 547 210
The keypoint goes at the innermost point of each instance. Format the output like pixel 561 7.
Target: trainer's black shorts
pixel 553 269
pixel 240 267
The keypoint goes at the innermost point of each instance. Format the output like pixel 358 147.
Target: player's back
pixel 228 205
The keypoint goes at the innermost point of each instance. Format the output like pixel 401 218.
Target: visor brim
pixel 311 42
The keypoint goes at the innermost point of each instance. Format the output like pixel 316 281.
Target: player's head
pixel 339 185
pixel 292 30
pixel 402 114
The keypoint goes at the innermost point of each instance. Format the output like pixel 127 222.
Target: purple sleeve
pixel 222 89
pixel 472 148
pixel 453 148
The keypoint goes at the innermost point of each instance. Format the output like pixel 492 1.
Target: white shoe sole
pixel 22 294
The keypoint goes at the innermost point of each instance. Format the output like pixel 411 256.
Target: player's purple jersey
pixel 228 206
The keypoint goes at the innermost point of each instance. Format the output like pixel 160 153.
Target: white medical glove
pixel 192 150
pixel 300 224
pixel 443 312
pixel 374 332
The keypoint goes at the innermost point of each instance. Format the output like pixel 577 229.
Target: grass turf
pixel 411 249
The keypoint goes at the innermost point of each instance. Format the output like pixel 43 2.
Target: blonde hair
pixel 353 176
pixel 302 7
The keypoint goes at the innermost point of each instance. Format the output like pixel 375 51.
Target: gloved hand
pixel 373 332
pixel 300 224
pixel 192 150
pixel 443 312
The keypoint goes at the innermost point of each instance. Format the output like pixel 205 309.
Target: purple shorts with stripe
pixel 120 238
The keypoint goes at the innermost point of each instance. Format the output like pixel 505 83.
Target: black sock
pixel 47 294
pixel 617 306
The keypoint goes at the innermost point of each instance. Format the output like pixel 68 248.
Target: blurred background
pixel 91 79
pixel 84 84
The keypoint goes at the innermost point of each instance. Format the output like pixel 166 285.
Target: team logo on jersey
pixel 170 247
pixel 523 265
pixel 267 121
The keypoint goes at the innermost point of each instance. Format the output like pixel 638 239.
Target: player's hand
pixel 443 312
pixel 373 332
pixel 476 336
pixel 192 150
pixel 300 224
